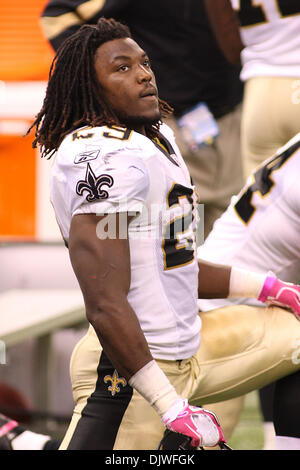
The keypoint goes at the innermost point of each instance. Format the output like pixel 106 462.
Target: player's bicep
pixel 101 262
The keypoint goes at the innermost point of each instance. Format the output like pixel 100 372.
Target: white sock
pixel 28 440
pixel 269 436
pixel 287 443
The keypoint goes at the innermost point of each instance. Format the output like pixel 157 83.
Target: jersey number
pixel 262 184
pixel 119 133
pixel 178 241
pixel 251 14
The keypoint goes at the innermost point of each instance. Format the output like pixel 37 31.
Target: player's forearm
pixel 120 335
pixel 220 281
pixel 213 280
pixel 124 343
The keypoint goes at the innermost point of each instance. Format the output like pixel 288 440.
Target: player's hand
pixel 199 424
pixel 283 294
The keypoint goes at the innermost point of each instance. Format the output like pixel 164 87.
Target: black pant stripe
pixel 101 417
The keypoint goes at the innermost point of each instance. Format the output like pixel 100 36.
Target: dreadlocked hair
pixel 73 97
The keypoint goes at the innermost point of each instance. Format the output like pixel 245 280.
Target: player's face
pixel 128 83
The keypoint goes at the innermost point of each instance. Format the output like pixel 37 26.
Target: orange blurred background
pixel 24 52
pixel 25 57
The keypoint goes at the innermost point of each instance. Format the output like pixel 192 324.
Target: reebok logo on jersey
pixel 93 185
pixel 87 156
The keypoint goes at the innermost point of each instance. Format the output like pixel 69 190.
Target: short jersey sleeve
pixel 114 182
pixel 119 183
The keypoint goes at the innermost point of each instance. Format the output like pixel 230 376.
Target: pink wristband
pixel 266 289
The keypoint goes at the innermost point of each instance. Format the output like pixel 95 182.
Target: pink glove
pixel 283 294
pixel 199 424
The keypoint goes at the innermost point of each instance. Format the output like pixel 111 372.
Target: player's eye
pixel 123 68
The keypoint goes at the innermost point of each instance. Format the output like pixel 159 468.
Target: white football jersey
pixel 260 230
pixel 270 33
pixel 106 170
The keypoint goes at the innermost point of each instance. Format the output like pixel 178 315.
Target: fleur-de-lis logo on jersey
pixel 115 381
pixel 93 185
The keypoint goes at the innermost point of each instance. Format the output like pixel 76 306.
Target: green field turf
pixel 248 435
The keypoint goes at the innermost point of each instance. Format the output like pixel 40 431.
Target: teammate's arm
pixel 213 280
pixel 225 25
pixel 102 267
pixel 219 282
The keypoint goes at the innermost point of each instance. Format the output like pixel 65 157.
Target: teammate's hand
pixel 283 294
pixel 199 424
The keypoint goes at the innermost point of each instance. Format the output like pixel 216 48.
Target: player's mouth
pixel 150 93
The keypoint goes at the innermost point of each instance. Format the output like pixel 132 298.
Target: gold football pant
pixel 270 118
pixel 242 349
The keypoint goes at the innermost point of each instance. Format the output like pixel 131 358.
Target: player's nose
pixel 143 74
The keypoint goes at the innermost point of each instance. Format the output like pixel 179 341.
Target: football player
pixel 260 230
pixel 206 100
pixel 266 40
pixel 126 208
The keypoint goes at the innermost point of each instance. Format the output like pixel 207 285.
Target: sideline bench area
pixel 35 314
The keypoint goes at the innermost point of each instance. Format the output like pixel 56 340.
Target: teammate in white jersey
pixel 125 205
pixel 260 230
pixel 267 42
pixel 261 226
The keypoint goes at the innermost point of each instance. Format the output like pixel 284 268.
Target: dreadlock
pixel 73 96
